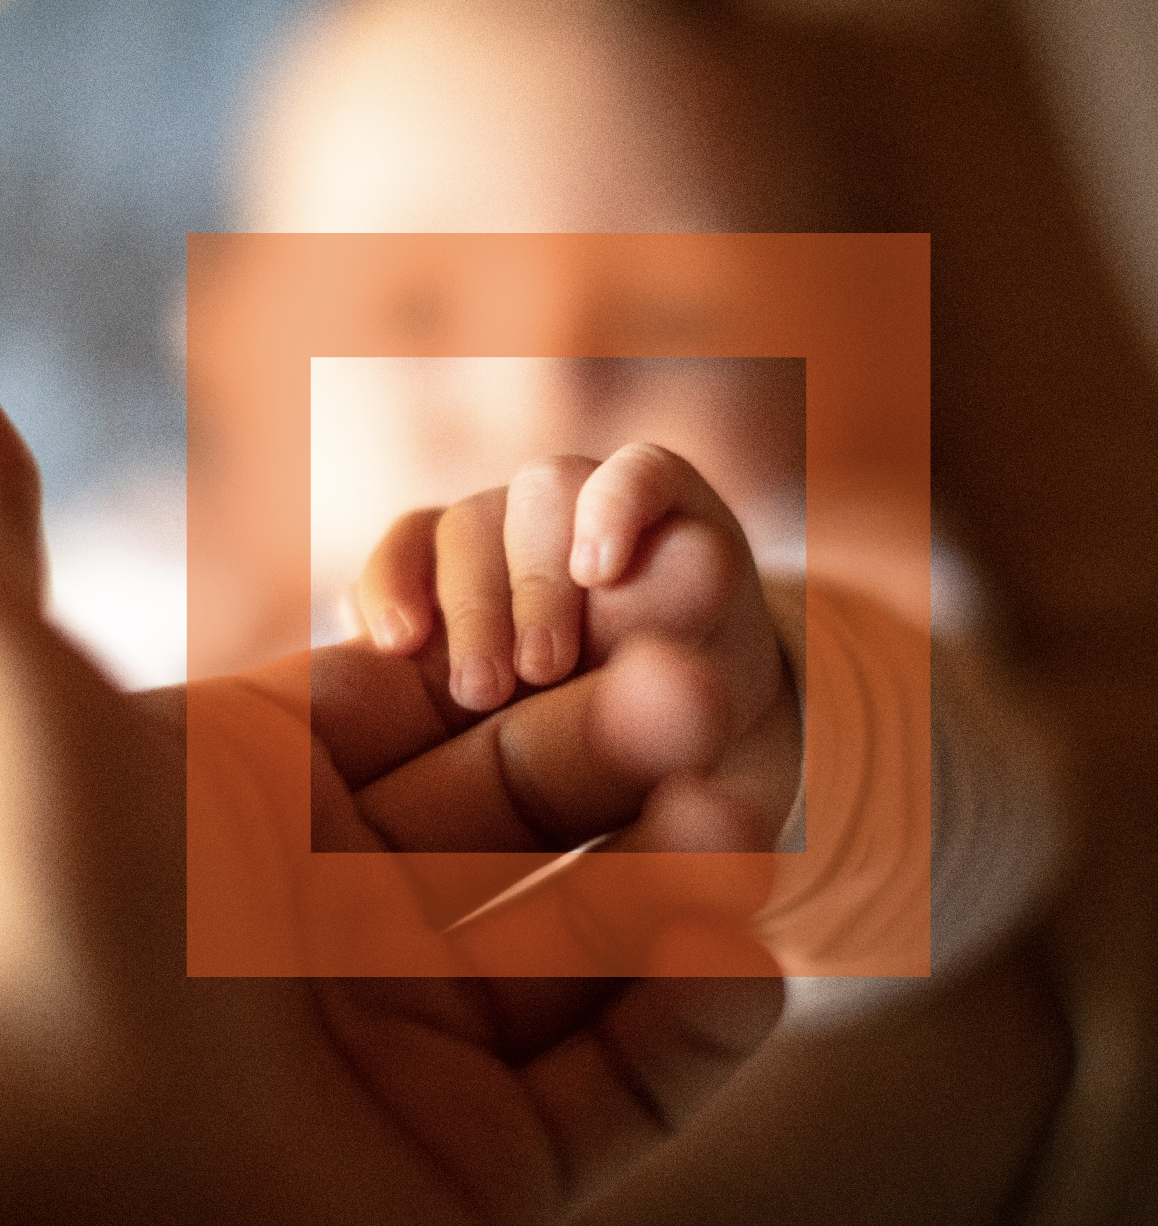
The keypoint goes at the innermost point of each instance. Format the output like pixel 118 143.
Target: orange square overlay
pixel 854 306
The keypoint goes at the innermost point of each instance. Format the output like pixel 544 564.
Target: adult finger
pixel 548 773
pixel 78 768
pixel 372 711
pixel 22 557
pixel 546 605
pixel 395 591
pixel 604 911
pixel 91 830
pixel 474 594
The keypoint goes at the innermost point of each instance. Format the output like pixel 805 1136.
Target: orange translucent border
pixel 856 307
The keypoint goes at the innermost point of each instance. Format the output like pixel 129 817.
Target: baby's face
pixel 517 115
pixel 522 117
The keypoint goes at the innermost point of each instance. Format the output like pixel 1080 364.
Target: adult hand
pixel 135 1093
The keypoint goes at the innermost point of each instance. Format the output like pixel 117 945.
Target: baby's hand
pixel 571 561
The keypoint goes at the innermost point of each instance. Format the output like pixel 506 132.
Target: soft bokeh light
pixel 118 580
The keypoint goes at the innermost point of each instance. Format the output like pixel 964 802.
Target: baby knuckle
pixel 647 455
pixel 549 474
pixel 531 585
pixel 416 523
pixel 547 486
pixel 537 475
pixel 648 465
pixel 465 518
pixel 468 616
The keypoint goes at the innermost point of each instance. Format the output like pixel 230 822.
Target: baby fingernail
pixel 594 562
pixel 477 684
pixel 391 630
pixel 585 562
pixel 536 655
pixel 609 561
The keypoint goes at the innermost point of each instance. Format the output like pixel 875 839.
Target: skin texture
pixel 585 556
pixel 947 136
pixel 133 1093
pixel 946 1136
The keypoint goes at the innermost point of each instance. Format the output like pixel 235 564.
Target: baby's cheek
pixel 681 583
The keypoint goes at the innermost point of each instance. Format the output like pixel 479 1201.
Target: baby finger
pixel 546 604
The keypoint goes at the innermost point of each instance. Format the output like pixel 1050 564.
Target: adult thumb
pixel 23 573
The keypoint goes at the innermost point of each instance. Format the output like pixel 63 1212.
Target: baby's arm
pixel 570 563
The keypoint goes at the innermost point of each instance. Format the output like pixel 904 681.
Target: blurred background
pixel 113 125
pixel 116 118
